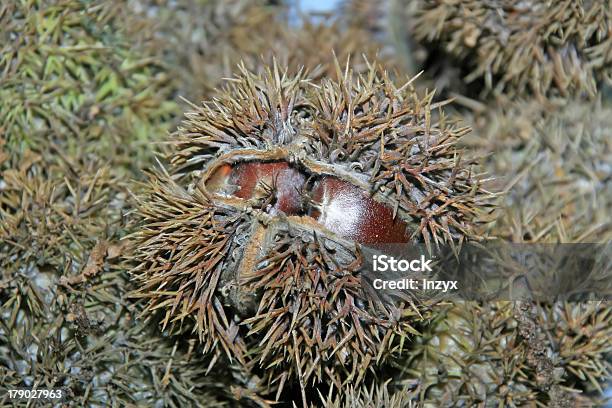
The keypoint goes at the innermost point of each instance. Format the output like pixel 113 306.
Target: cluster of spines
pixel 407 149
pixel 512 354
pixel 360 122
pixel 543 48
pixel 313 311
pixel 558 157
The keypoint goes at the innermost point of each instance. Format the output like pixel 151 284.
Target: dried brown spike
pixel 255 239
pixel 382 395
pixel 513 354
pixel 542 47
pixel 203 41
pixel 553 163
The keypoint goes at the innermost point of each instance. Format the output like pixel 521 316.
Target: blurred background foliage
pixel 90 90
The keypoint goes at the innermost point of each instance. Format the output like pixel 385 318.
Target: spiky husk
pixel 268 290
pixel 77 106
pixel 308 320
pixel 70 73
pixel 204 41
pixel 513 354
pixel 370 397
pixel 553 161
pixel 538 47
pixel 398 145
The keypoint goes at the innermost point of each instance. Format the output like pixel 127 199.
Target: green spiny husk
pixel 78 105
pixel 70 73
pixel 513 354
pixel 544 48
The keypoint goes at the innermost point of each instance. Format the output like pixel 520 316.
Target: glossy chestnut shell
pixel 335 204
